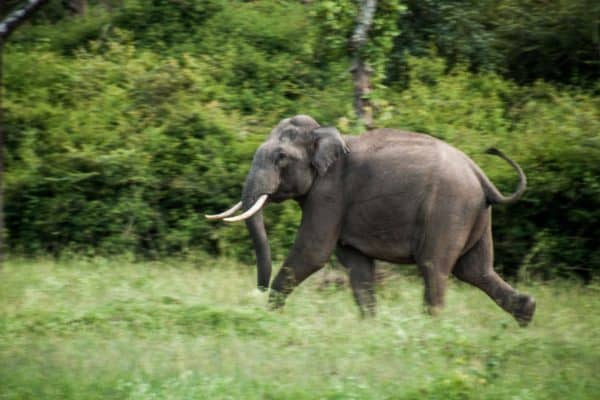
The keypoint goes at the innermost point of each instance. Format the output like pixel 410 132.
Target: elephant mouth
pixel 279 197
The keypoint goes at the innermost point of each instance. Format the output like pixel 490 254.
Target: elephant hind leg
pixel 435 275
pixel 476 267
pixel 435 261
pixel 362 278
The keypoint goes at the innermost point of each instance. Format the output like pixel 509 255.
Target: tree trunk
pixel 7 26
pixel 361 72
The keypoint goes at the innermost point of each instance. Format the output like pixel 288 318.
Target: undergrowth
pixel 85 329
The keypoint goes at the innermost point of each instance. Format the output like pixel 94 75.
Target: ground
pixel 101 329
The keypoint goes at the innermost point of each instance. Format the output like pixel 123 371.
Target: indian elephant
pixel 389 195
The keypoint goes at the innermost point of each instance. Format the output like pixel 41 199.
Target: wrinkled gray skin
pixel 388 195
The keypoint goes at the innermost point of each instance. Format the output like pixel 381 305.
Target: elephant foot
pixel 276 300
pixel 524 309
pixel 433 311
pixel 367 313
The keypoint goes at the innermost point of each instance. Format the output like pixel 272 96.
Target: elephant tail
pixel 492 193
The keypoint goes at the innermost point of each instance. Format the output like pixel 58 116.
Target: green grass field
pixel 198 330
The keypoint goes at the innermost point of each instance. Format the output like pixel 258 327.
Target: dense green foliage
pixel 524 40
pixel 126 125
pixel 171 330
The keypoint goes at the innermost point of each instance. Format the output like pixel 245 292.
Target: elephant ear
pixel 328 146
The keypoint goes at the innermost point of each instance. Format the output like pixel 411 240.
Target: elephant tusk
pixel 227 213
pixel 249 212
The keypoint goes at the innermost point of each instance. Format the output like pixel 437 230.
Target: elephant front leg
pixel 289 276
pixel 316 239
pixel 362 278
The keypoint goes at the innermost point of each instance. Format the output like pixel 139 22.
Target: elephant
pixel 389 195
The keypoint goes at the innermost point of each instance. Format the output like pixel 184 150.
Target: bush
pixel 131 125
pixel 112 151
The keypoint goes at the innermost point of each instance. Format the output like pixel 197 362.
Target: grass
pixel 102 329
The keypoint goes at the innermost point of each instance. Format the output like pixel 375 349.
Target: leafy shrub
pixel 525 40
pixel 115 154
pixel 122 143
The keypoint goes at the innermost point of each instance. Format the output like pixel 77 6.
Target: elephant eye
pixel 281 156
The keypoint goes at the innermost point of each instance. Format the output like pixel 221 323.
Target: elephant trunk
pixel 256 227
pixel 258 183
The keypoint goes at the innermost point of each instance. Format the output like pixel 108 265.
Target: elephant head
pixel 297 152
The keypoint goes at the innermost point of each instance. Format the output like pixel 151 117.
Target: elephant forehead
pixel 264 152
pixel 269 150
pixel 293 135
pixel 295 128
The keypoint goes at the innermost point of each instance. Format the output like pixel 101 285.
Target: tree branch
pixel 17 17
